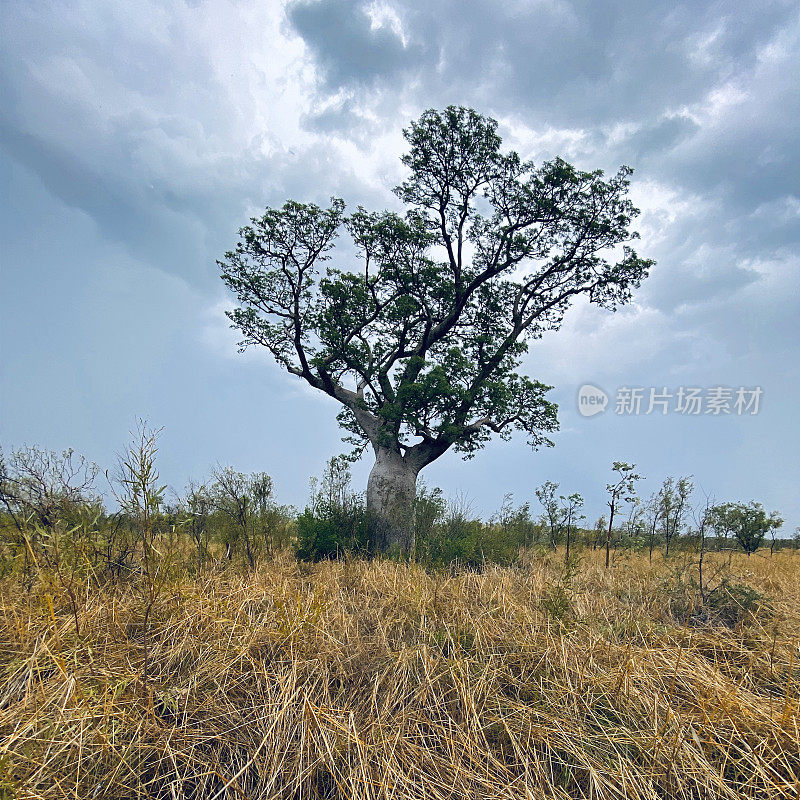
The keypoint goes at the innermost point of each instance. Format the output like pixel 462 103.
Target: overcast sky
pixel 136 137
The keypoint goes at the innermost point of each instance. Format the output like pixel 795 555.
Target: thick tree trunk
pixel 391 489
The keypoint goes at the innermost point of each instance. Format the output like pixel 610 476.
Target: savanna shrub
pixel 468 542
pixel 332 530
pixel 732 604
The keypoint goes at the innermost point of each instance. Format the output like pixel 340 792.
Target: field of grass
pixel 380 680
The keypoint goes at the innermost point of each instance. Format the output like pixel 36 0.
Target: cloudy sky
pixel 136 137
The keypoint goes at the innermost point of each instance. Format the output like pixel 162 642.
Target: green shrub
pixel 728 605
pixel 332 531
pixel 468 542
pixel 556 602
pixel 733 603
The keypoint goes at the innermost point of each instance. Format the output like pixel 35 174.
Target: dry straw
pixel 379 680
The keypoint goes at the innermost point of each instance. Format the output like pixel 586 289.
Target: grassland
pixel 381 680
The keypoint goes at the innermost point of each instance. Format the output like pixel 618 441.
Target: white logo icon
pixel 591 400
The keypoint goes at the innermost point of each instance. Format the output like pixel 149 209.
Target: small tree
pixel 241 499
pixel 621 491
pixel 552 515
pixel 571 514
pixel 333 524
pixel 772 541
pixel 198 506
pixel 335 487
pixel 49 497
pixel 599 532
pixel 515 522
pixel 430 508
pixel 748 522
pixel 652 517
pixel 43 486
pixel 704 521
pixel 673 498
pixel 420 336
pixel 140 497
pixel 269 518
pixel 635 525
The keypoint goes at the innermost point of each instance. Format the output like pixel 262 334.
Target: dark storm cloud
pixel 347 47
pixel 651 140
pixel 565 63
pixel 695 95
pixel 133 131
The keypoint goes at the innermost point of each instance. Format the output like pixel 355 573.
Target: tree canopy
pixel 748 522
pixel 419 337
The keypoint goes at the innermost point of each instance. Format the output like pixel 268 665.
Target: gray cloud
pixel 349 50
pixel 565 63
pixel 654 139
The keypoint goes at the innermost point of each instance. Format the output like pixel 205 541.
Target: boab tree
pixel 420 336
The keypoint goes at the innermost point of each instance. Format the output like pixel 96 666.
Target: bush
pixel 457 539
pixel 731 604
pixel 335 522
pixel 332 531
pixel 556 602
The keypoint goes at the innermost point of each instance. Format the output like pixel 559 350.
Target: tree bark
pixel 391 490
pixel 608 536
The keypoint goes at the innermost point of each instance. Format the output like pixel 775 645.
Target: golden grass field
pixel 379 680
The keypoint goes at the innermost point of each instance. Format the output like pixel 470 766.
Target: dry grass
pixel 378 680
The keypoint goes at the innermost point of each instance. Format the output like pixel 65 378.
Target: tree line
pixel 53 517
